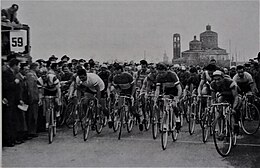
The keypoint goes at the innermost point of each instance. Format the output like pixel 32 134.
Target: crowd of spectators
pixel 21 103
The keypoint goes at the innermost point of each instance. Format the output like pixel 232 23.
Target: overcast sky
pixel 105 30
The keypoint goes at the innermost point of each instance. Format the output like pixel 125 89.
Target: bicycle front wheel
pixel 120 124
pixel 155 123
pixel 205 124
pixel 99 122
pixel 250 119
pixel 129 119
pixel 222 136
pixel 147 117
pixel 192 119
pixel 164 133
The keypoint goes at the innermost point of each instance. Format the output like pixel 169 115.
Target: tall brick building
pixel 201 51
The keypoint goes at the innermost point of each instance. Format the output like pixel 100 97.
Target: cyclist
pixel 168 83
pixel 125 85
pixel 49 85
pixel 206 78
pixel 88 84
pixel 244 81
pixel 227 91
pixel 104 75
pixel 192 82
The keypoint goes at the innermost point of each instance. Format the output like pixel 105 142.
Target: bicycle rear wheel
pixel 250 119
pixel 192 119
pixel 164 133
pixel 175 132
pixel 222 136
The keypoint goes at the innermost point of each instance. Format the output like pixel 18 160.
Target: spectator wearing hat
pixel 65 58
pixel 33 99
pixel 10 14
pixel 53 59
pixel 232 71
pixel 10 100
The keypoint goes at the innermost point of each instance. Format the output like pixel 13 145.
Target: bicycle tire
pixel 154 123
pixel 223 144
pixel 205 126
pixel 147 117
pixel 175 132
pixel 120 124
pixel 50 134
pixel 75 128
pixel 99 122
pixel 164 133
pixel 187 112
pixel 129 119
pixel 70 116
pixel 250 124
pixel 86 130
pixel 115 119
pixel 192 119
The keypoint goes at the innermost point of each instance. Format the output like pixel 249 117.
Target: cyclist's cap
pixel 233 67
pixel 218 73
pixel 103 66
pixel 143 62
pixel 161 66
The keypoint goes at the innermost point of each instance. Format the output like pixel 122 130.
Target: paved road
pixel 134 149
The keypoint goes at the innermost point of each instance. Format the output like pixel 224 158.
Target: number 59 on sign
pixel 18 41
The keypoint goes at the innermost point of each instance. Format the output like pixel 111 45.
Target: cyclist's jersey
pixel 225 89
pixel 104 75
pixel 49 86
pixel 244 83
pixel 89 85
pixel 125 82
pixel 141 75
pixel 183 76
pixel 194 79
pixel 151 82
pixel 168 83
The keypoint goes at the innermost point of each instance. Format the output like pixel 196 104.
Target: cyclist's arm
pixel 235 95
pixel 133 87
pixel 58 91
pixel 71 89
pixel 98 92
pixel 144 86
pixel 179 91
pixel 200 86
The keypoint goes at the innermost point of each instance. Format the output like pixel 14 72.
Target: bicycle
pixel 207 117
pixel 156 117
pixel 113 111
pixel 49 102
pixel 223 128
pixel 249 117
pixel 193 113
pixel 70 112
pixel 144 106
pixel 92 117
pixel 169 120
pixel 125 116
